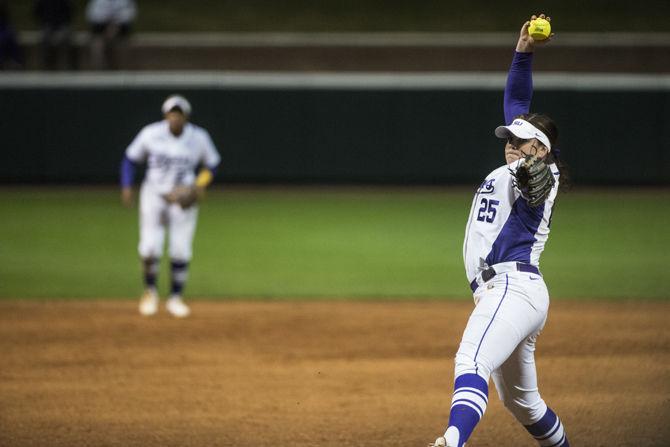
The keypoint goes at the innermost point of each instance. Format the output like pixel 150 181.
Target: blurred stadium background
pixel 352 135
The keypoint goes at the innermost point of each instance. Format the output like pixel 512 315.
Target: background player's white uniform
pixel 172 149
pixel 171 161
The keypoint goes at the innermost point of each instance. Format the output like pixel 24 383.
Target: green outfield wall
pixel 374 129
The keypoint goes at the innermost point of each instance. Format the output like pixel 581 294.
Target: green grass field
pixel 324 243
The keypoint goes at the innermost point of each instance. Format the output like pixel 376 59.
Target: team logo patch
pixel 486 187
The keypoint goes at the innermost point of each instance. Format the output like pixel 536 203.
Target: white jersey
pixel 502 227
pixel 172 160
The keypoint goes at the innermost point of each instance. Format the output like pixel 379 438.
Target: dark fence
pixel 340 135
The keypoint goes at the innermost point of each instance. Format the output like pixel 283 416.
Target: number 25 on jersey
pixel 487 211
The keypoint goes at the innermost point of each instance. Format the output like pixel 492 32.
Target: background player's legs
pixel 150 267
pixel 502 319
pixel 182 231
pixel 179 275
pixel 153 218
pixel 152 235
pixel 149 299
pixel 516 382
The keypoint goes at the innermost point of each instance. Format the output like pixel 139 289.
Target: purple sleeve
pixel 519 87
pixel 128 169
pixel 213 169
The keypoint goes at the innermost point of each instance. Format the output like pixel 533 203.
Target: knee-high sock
pixel 467 408
pixel 179 271
pixel 150 272
pixel 549 431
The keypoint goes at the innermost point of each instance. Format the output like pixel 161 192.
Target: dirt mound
pixel 312 373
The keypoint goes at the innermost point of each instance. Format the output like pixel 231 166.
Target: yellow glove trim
pixel 204 178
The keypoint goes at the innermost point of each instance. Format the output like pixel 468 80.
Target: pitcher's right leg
pixel 486 343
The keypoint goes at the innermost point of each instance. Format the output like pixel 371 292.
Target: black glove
pixel 534 179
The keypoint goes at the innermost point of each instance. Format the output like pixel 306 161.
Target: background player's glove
pixel 534 179
pixel 185 195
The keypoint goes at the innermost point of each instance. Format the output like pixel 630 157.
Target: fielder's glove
pixel 534 179
pixel 184 195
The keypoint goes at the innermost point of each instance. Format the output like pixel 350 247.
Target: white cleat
pixel 442 440
pixel 176 306
pixel 149 303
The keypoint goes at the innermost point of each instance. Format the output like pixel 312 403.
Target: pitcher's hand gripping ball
pixel 539 29
pixel 535 179
pixel 185 195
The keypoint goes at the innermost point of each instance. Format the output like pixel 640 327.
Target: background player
pixel 173 149
pixel 505 235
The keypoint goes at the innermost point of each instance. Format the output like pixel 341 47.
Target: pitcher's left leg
pixel 516 382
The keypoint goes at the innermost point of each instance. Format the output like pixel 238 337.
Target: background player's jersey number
pixel 487 211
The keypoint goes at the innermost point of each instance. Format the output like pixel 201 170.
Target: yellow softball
pixel 539 29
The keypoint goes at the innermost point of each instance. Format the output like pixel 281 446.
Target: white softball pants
pixel 156 217
pixel 499 340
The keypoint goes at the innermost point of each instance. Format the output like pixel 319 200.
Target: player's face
pixel 517 148
pixel 176 120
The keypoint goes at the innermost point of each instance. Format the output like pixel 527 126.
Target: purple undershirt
pixel 128 169
pixel 519 87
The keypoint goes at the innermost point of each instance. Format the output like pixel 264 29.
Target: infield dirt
pixel 312 374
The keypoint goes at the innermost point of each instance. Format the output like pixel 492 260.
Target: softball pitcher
pixel 172 149
pixel 504 237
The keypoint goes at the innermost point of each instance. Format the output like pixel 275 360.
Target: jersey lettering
pixel 487 212
pixel 486 187
pixel 172 160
